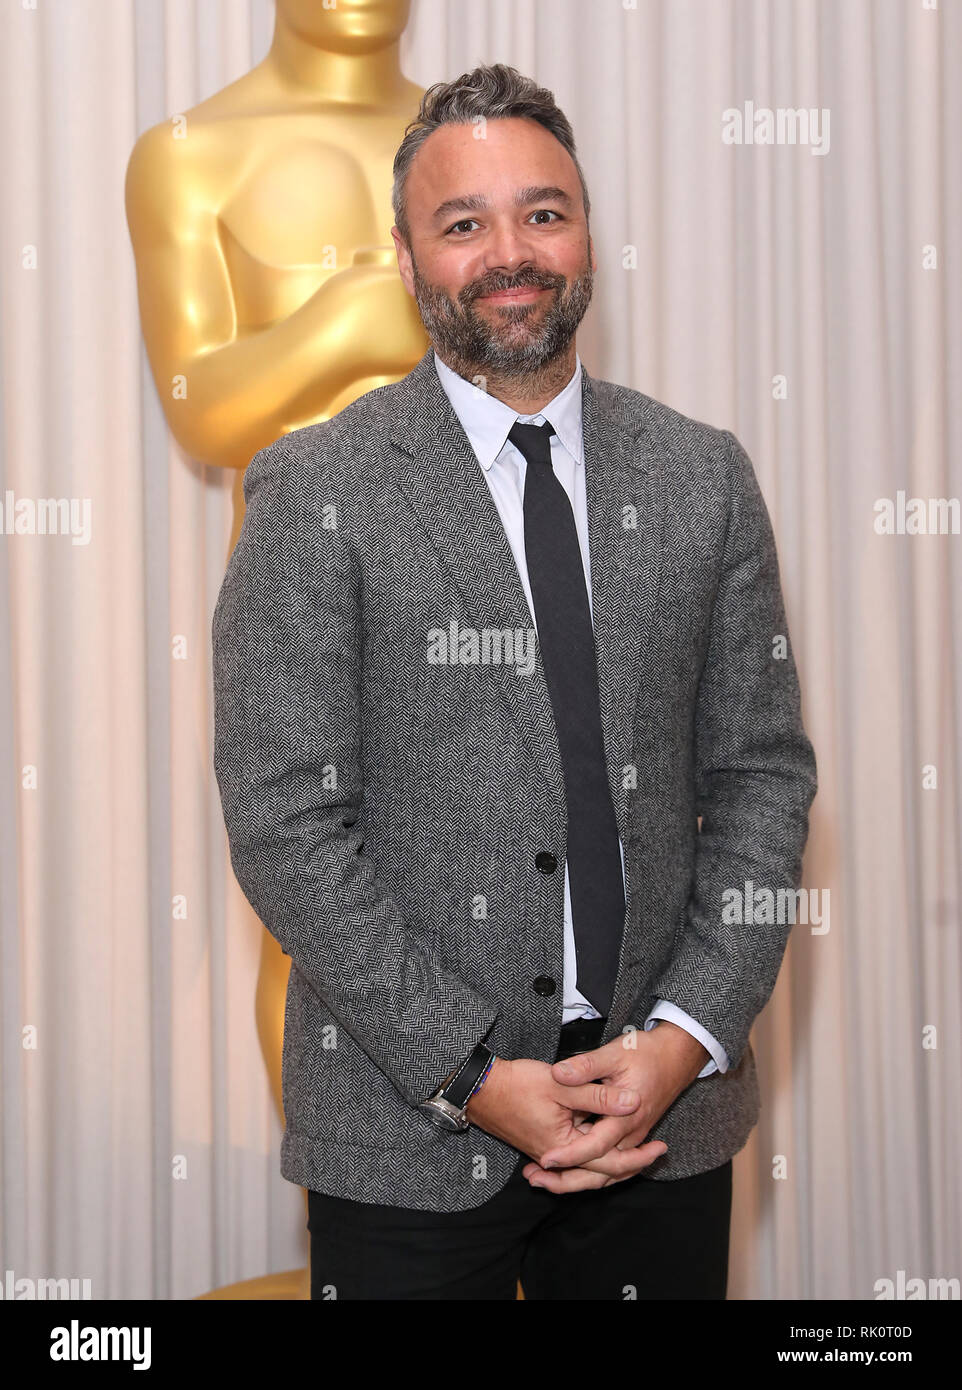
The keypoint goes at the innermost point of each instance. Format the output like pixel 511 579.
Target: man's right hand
pixel 521 1103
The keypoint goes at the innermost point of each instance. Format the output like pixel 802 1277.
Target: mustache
pixel 524 280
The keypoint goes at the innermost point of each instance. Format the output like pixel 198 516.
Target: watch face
pixel 443 1115
pixel 448 1122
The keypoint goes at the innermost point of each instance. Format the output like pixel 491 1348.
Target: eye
pixel 468 221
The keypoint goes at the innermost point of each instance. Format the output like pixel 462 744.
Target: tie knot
pixel 533 440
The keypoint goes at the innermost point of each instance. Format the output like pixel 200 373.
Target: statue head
pixel 347 26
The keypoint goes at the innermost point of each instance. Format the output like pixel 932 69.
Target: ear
pixel 404 265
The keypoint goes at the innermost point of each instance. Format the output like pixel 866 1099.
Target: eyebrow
pixel 525 197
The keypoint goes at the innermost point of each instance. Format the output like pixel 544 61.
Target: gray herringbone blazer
pixel 385 810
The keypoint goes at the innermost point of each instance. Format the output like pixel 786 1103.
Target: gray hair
pixel 495 92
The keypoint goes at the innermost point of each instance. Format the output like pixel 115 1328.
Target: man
pixel 505 712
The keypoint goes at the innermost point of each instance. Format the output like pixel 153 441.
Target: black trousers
pixel 637 1239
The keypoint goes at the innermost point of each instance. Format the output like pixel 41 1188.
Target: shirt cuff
pixel 672 1014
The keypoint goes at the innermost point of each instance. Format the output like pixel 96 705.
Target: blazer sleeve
pixel 287 634
pixel 755 779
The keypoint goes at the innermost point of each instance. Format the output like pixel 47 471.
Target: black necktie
pixel 557 580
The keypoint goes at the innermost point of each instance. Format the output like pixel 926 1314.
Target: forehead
pixel 502 156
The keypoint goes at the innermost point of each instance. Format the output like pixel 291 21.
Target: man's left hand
pixel 659 1065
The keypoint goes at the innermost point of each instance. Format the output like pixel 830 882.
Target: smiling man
pixel 517 1028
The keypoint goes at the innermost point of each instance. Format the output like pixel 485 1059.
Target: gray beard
pixel 499 349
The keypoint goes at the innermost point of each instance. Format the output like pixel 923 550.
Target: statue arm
pixel 225 396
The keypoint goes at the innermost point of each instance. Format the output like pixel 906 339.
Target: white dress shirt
pixel 486 422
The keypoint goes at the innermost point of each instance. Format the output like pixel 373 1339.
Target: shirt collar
pixel 486 420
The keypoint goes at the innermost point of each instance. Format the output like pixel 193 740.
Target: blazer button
pixel 545 861
pixel 544 985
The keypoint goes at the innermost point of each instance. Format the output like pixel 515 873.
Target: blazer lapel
pixel 440 475
pixel 625 540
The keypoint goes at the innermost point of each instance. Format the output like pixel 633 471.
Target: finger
pixel 625 1163
pixel 583 1124
pixel 599 1099
pixel 570 1180
pixel 605 1134
pixel 584 1066
pixel 608 1168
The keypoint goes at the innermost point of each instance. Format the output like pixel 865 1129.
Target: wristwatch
pixel 447 1107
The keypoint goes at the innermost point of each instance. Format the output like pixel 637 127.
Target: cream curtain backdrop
pixel 752 262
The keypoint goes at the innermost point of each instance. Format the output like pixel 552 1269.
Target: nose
pixel 507 249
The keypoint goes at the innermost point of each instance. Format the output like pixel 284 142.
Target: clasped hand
pixel 543 1110
pixel 655 1066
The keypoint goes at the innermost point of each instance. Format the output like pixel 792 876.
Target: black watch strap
pixel 457 1091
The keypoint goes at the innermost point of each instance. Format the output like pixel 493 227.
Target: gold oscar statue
pixel 268 284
